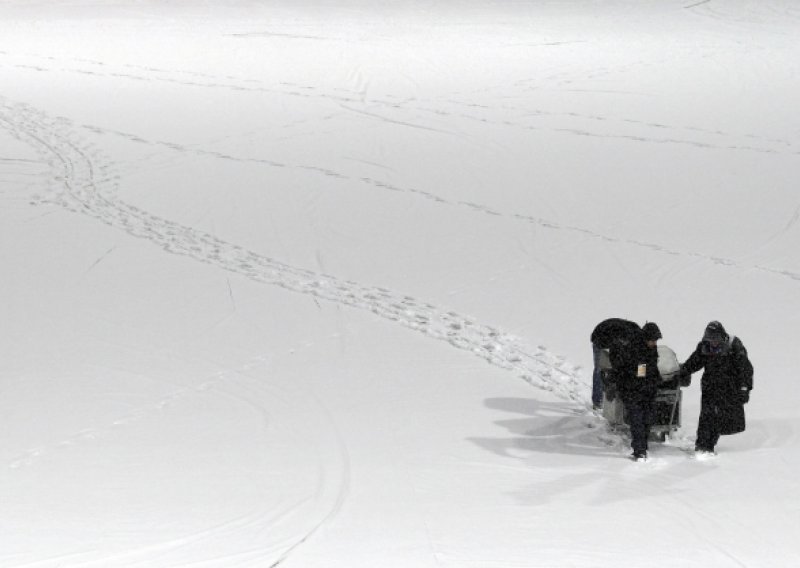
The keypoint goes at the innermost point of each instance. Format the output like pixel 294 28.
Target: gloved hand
pixel 685 377
pixel 744 395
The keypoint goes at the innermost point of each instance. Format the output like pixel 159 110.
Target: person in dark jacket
pixel 613 332
pixel 637 379
pixel 725 386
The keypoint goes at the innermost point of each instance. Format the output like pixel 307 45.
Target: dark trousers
pixel 597 377
pixel 708 430
pixel 639 410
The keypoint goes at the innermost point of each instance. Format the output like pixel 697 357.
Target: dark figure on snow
pixel 726 384
pixel 614 332
pixel 636 379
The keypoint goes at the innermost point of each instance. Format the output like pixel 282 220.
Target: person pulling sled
pixel 612 333
pixel 626 363
pixel 636 378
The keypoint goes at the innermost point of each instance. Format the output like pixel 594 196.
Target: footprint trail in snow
pixel 81 180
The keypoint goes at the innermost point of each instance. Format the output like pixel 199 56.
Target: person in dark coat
pixel 637 379
pixel 607 334
pixel 725 386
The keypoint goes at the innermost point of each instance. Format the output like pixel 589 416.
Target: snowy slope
pixel 311 283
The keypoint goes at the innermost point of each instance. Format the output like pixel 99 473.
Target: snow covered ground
pixel 310 283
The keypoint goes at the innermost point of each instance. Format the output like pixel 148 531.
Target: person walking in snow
pixel 637 378
pixel 613 332
pixel 725 385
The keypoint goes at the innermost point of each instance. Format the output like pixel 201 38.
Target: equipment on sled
pixel 667 404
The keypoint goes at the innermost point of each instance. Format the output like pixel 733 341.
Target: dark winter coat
pixel 614 331
pixel 636 369
pixel 725 375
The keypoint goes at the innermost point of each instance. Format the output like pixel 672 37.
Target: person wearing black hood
pixel 612 333
pixel 725 386
pixel 637 379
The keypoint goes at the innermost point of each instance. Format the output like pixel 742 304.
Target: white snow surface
pixel 310 283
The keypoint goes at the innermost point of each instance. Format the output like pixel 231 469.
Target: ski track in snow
pixel 704 139
pixel 475 207
pixel 525 117
pixel 708 140
pixel 333 471
pixel 744 17
pixel 217 381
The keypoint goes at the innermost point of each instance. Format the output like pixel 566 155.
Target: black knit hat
pixel 651 331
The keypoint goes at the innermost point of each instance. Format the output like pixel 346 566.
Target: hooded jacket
pixel 614 331
pixel 727 371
